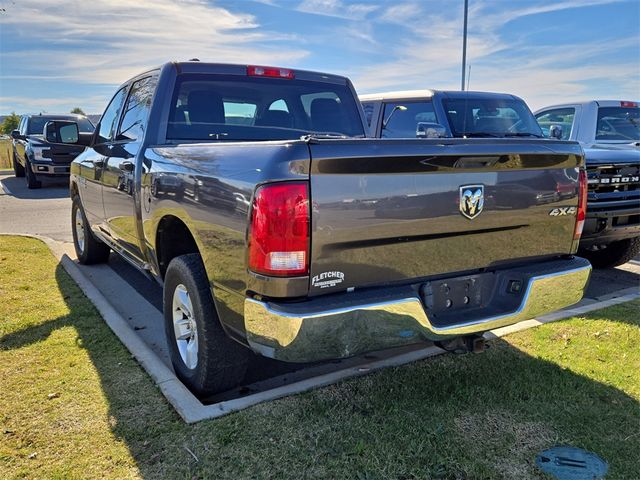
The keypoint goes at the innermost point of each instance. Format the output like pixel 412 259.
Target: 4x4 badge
pixel 471 200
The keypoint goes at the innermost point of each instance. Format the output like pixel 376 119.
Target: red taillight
pixel 257 71
pixel 582 204
pixel 279 234
pixel 628 104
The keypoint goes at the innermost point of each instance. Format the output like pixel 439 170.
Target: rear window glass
pixel 402 119
pixel 618 123
pixel 490 117
pixel 230 107
pixel 562 117
pixel 36 124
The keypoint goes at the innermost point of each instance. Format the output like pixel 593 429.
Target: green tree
pixel 10 123
pixel 78 110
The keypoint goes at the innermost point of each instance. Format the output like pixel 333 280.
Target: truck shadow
pixel 17 187
pixel 605 281
pixel 515 403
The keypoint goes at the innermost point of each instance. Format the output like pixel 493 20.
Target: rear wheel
pixel 18 169
pixel 614 254
pixel 205 359
pixel 32 181
pixel 89 249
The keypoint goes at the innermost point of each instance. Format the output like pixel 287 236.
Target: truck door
pixel 118 180
pixel 19 145
pixel 93 161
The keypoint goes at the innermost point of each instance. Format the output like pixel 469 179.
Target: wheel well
pixel 73 189
pixel 173 239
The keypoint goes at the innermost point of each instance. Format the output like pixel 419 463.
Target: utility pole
pixel 464 42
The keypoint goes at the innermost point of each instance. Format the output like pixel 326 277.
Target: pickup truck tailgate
pixel 394 214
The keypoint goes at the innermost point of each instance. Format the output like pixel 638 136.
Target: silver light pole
pixel 464 42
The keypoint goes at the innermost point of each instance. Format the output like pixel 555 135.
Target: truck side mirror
pixel 430 130
pixel 555 131
pixel 61 131
pixel 15 134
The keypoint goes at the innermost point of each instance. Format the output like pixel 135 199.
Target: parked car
pixel 308 269
pixel 609 132
pixel 456 114
pixel 34 157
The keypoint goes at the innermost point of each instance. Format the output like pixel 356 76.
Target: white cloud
pixel 50 104
pixel 429 55
pixel 109 41
pixel 337 8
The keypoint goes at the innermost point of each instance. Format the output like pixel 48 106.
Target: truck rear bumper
pixel 348 324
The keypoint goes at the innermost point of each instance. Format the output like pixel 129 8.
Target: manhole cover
pixel 571 463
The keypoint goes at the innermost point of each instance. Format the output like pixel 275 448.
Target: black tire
pixel 615 253
pixel 32 181
pixel 18 169
pixel 92 250
pixel 221 361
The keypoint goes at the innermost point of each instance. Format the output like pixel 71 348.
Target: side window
pixel 23 126
pixel 402 118
pixel 137 108
pixel 279 106
pixel 110 117
pixel 368 111
pixel 559 116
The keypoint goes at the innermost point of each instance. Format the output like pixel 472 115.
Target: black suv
pixel 35 158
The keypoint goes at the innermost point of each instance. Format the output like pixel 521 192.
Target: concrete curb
pixel 191 410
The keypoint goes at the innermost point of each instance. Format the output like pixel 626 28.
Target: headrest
pixel 205 106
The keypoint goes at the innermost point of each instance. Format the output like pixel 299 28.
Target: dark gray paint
pixel 209 187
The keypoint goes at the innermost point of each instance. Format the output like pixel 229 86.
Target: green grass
pixel 483 416
pixel 5 153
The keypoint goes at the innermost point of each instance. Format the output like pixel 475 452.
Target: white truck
pixel 609 132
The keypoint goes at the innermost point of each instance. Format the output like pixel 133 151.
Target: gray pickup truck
pixel 275 226
pixel 609 132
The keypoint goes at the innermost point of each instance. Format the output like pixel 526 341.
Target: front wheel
pixel 614 254
pixel 205 359
pixel 89 249
pixel 32 181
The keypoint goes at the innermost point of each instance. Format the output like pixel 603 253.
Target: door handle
pixel 126 166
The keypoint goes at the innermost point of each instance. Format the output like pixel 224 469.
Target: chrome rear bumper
pixel 305 333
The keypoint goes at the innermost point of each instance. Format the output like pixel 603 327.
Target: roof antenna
pixel 194 59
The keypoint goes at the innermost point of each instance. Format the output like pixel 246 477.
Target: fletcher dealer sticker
pixel 327 279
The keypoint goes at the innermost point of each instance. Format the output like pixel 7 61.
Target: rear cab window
pixel 618 123
pixel 490 117
pixel 403 119
pixel 214 107
pixel 563 117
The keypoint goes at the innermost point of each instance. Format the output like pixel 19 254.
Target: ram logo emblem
pixel 471 200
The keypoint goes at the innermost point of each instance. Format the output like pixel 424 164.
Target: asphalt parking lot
pixel 137 299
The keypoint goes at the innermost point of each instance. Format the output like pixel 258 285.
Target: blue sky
pixel 58 55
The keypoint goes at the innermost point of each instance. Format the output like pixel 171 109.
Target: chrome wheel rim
pixel 184 327
pixel 79 228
